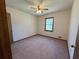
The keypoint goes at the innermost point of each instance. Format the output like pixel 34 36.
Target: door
pixel 10 27
pixel 76 53
pixel 5 48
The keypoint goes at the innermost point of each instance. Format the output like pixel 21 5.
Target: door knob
pixel 74 46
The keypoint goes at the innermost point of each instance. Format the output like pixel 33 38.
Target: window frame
pixel 52 24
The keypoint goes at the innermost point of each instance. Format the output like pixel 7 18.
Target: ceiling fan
pixel 37 6
pixel 39 9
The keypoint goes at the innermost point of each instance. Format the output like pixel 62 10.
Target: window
pixel 49 23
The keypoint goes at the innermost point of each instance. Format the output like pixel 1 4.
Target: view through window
pixel 49 23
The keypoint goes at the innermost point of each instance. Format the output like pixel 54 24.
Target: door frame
pixel 10 27
pixel 76 46
pixel 5 48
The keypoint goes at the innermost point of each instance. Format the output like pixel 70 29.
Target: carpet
pixel 40 47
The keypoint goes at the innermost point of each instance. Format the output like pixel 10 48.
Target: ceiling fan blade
pixel 32 7
pixel 44 9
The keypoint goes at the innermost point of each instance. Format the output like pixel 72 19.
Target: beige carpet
pixel 40 47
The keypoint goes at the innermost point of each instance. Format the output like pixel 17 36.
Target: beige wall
pixel 61 24
pixel 23 24
pixel 73 27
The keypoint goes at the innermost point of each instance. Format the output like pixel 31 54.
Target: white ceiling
pixel 52 5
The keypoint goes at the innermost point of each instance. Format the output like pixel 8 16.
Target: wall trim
pixel 24 38
pixel 40 35
pixel 51 37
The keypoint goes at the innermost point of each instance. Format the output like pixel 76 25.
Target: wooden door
pixel 10 27
pixel 5 48
pixel 76 53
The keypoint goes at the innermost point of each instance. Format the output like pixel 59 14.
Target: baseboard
pixel 40 35
pixel 51 37
pixel 68 50
pixel 25 38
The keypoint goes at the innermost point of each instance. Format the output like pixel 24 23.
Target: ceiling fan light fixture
pixel 38 11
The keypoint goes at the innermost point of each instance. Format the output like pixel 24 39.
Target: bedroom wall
pixel 23 24
pixel 74 22
pixel 61 24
